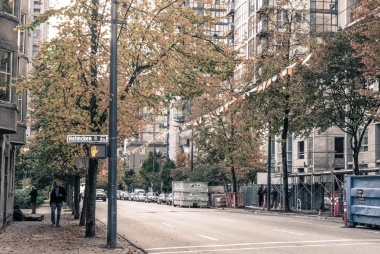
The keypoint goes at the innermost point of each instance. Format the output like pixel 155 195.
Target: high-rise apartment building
pixel 323 158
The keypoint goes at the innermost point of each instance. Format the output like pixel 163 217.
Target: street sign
pixel 87 138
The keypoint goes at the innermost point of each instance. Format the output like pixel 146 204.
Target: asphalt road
pixel 166 229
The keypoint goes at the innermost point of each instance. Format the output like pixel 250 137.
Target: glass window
pixel 22 33
pixel 301 150
pixel 364 146
pixel 8 6
pixel 5 74
pixel 19 106
pixel 339 147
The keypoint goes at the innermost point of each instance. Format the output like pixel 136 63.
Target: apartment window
pixel 142 151
pixel 8 6
pixel 19 106
pixel 22 33
pixel 364 146
pixel 301 150
pixel 281 18
pixel 324 22
pixel 5 75
pixel 339 147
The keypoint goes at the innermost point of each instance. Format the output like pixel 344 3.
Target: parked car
pixel 151 197
pixel 162 198
pixel 124 195
pixel 140 197
pixel 100 194
pixel 169 199
pixel 131 196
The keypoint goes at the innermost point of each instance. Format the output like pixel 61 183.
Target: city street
pixel 166 229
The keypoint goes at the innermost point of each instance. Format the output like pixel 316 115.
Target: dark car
pixel 162 198
pixel 100 194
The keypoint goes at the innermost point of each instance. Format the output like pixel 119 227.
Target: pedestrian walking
pixel 273 197
pixel 261 195
pixel 57 197
pixel 33 199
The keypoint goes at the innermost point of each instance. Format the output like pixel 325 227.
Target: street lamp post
pixel 112 166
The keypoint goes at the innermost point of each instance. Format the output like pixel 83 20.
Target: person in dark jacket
pixel 57 197
pixel 273 198
pixel 260 193
pixel 33 199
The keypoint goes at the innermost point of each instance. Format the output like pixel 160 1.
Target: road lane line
pixel 288 232
pixel 144 217
pixel 227 220
pixel 338 241
pixel 167 225
pixel 207 237
pixel 305 222
pixel 259 248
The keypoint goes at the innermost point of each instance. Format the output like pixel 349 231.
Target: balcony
pixel 20 137
pixel 264 5
pixel 262 27
pixel 8 116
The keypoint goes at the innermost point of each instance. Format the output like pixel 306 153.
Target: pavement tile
pixel 21 237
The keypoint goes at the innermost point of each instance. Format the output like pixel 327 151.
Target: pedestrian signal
pixel 98 151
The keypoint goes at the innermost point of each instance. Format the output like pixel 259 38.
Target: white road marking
pixel 324 242
pixel 144 217
pixel 227 220
pixel 252 248
pixel 167 225
pixel 288 232
pixel 304 222
pixel 207 237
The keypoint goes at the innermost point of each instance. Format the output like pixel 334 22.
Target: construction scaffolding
pixel 314 191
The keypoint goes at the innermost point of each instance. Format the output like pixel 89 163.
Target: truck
pixel 190 194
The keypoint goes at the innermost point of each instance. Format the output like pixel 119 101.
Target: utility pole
pixel 112 165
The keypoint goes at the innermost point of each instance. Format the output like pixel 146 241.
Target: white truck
pixel 190 194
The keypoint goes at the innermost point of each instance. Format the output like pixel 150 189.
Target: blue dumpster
pixel 362 194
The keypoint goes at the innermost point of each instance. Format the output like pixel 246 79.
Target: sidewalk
pixel 39 237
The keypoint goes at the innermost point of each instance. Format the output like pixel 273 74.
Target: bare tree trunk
pixel 91 198
pixel 76 196
pixel 93 167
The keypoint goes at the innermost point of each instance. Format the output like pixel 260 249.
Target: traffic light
pixel 98 151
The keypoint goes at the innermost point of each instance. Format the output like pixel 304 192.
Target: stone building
pixel 16 51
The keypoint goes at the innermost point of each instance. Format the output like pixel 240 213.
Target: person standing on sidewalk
pixel 33 199
pixel 273 198
pixel 261 195
pixel 57 197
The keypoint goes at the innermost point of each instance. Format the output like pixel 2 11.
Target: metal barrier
pixel 234 199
